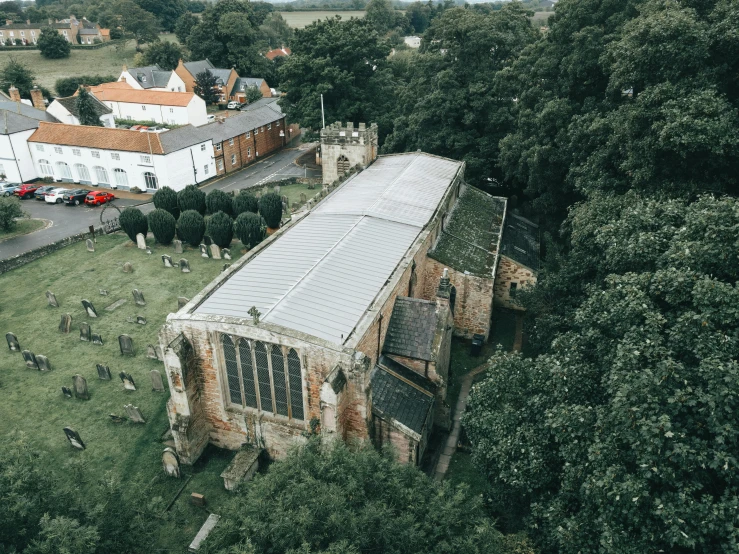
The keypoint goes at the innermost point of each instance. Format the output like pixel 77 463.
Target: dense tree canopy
pixel 53 45
pixel 163 53
pixel 86 108
pixel 18 75
pixel 205 87
pixel 166 11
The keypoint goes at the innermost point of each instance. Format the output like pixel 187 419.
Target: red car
pixel 95 198
pixel 27 190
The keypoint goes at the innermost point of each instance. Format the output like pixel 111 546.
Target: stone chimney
pixel 15 96
pixel 37 98
pixel 444 292
pixel 8 21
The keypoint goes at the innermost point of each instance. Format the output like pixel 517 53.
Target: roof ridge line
pixel 401 378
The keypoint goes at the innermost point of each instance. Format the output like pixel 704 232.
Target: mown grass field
pixel 33 401
pixel 22 227
pixel 298 20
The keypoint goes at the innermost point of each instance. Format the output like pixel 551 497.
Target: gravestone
pixel 156 381
pixel 127 380
pixel 30 359
pixel 65 324
pixel 74 438
pixel 67 392
pixel 126 345
pixel 89 308
pixel 127 267
pixel 182 302
pixel 303 198
pixel 276 189
pixel 103 292
pixel 79 384
pixel 160 353
pixel 167 260
pixel 184 265
pixel 51 297
pixel 148 250
pixel 85 332
pixel 90 245
pixel 215 251
pixel 141 241
pixel 138 296
pixel 116 418
pixel 286 201
pixel 97 339
pixel 171 463
pixel 13 343
pixel 226 252
pixel 207 240
pixel 134 414
pixel 43 363
pixel 177 246
pixel 203 250
pixel 141 320
pixel 225 267
pixel 103 372
pixel 115 305
pixel 151 352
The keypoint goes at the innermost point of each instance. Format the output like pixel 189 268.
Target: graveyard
pixel 77 347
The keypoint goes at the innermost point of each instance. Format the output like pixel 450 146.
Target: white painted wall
pixel 16 159
pixel 194 113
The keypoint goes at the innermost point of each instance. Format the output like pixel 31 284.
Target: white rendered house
pixel 18 122
pixel 65 110
pixel 152 78
pixel 174 108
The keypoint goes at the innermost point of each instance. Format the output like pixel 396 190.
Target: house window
pixel 101 174
pixel 218 147
pixel 278 123
pixel 45 168
pixel 248 134
pixel 121 177
pixel 220 165
pixel 513 287
pixel 23 34
pixel 58 150
pixel 95 154
pixel 230 142
pixel 64 171
pixel 206 168
pixel 65 33
pixel 115 156
pixel 40 147
pixel 248 152
pixel 171 110
pixel 233 159
pixel 82 173
pixel 33 33
pixel 256 131
pixel 145 159
pixel 202 147
pixel 76 152
pixel 151 180
pixel 264 377
pixel 269 126
pixel 143 108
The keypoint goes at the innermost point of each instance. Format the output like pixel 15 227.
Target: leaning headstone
pixel 182 302
pixel 134 414
pixel 51 297
pixel 141 320
pixel 177 246
pixel 116 418
pixel 203 250
pixel 160 353
pixel 65 324
pixel 97 339
pixel 126 345
pixel 127 380
pixel 138 296
pixel 148 250
pixel 171 463
pixel 103 372
pixel 80 387
pixel 303 198
pixel 103 292
pixel 226 253
pixel 67 392
pixel 141 241
pixel 30 359
pixel 151 352
pixel 85 332
pixel 127 267
pixel 184 265
pixel 43 363
pixel 90 245
pixel 167 260
pixel 74 438
pixel 225 267
pixel 115 305
pixel 13 343
pixel 89 308
pixel 156 381
pixel 215 251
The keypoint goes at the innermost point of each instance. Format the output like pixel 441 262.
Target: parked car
pixel 211 118
pixel 55 196
pixel 41 192
pixel 6 189
pixel 234 105
pixel 75 197
pixel 27 190
pixel 97 197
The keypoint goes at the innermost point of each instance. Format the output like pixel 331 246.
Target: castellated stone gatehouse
pixel 346 146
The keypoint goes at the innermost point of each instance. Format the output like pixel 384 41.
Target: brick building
pixel 76 31
pixel 230 85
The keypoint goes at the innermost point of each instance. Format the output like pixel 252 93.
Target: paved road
pixel 65 221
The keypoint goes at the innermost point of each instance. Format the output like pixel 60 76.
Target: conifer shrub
pixel 191 227
pixel 133 222
pixel 163 225
pixel 221 229
pixel 249 228
pixel 245 202
pixel 270 207
pixel 191 198
pixel 166 199
pixel 218 201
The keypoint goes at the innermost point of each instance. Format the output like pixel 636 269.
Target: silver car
pixel 7 189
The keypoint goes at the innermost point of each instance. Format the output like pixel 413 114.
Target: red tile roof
pixel 277 52
pixel 103 138
pixel 135 96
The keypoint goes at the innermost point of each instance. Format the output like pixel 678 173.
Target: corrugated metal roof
pixel 322 275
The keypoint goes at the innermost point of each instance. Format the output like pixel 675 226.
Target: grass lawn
pixel 33 401
pixel 298 20
pixel 22 227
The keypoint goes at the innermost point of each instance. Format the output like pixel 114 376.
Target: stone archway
pixel 342 166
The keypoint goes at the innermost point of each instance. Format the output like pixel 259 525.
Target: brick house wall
pixel 248 147
pixel 186 77
pixel 509 272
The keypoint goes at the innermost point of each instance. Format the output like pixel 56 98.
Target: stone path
pixel 451 443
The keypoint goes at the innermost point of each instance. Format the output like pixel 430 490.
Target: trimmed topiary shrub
pixel 166 199
pixel 244 202
pixel 218 201
pixel 221 229
pixel 191 227
pixel 163 225
pixel 133 222
pixel 191 198
pixel 249 228
pixel 270 207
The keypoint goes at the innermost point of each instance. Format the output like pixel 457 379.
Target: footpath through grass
pixel 33 401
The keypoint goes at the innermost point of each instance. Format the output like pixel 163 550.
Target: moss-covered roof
pixel 470 237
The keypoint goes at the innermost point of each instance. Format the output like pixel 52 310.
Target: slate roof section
pixel 521 241
pixel 70 104
pixel 401 395
pixel 247 82
pixel 151 76
pixel 412 329
pixel 271 102
pixel 28 111
pixel 201 65
pixel 103 138
pixel 11 122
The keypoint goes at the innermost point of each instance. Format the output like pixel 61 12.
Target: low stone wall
pixel 27 257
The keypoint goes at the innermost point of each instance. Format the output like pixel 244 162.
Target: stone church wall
pixel 509 272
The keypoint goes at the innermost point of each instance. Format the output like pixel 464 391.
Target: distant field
pixel 541 18
pixel 303 19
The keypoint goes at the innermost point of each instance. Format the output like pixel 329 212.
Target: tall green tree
pixel 52 45
pixel 205 87
pixel 184 26
pixel 67 86
pixel 86 108
pixel 275 31
pixel 16 74
pixel 131 20
pixel 382 15
pixel 163 53
pixel 167 12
